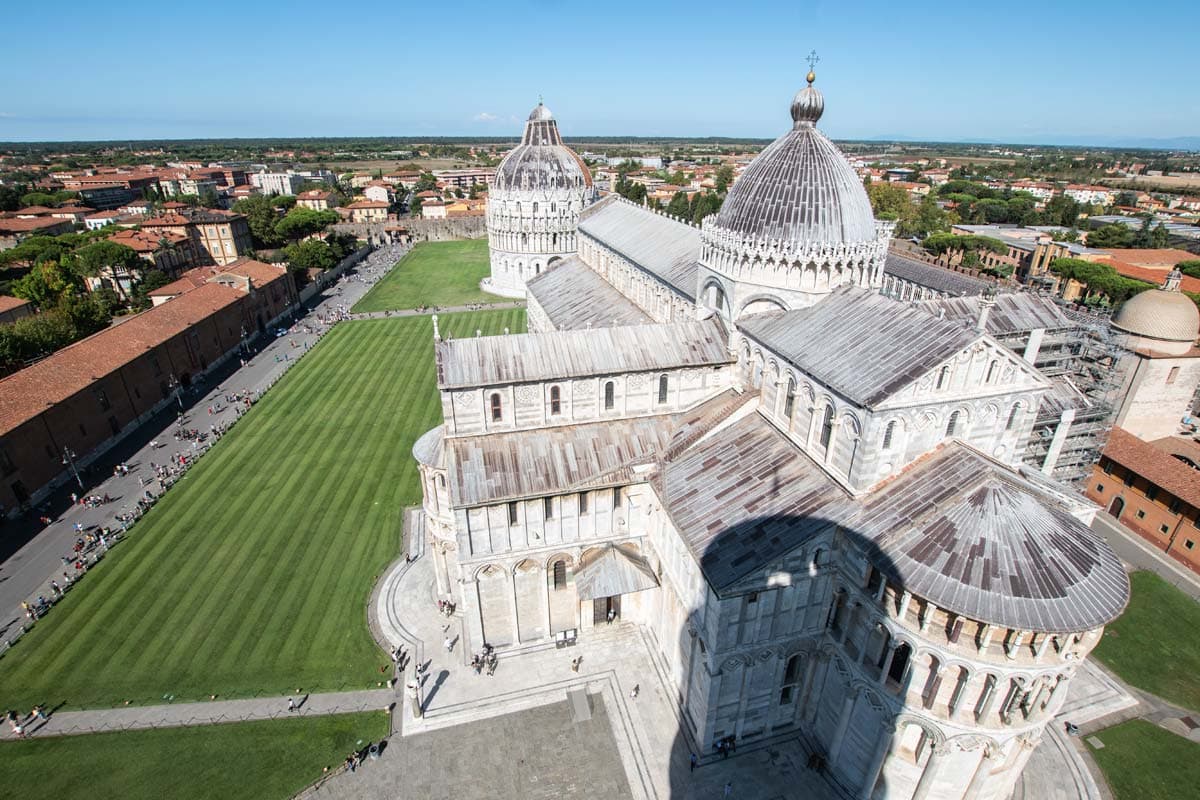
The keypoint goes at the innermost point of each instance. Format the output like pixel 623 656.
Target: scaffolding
pixel 1087 365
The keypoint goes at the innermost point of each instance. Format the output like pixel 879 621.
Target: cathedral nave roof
pixel 939 279
pixel 666 248
pixel 860 343
pixel 1015 312
pixel 574 297
pixel 562 355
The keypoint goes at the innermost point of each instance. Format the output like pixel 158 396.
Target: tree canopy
pixel 1099 278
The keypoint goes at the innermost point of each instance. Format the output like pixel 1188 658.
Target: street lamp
pixel 174 384
pixel 68 461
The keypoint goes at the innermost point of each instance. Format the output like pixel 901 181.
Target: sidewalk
pixel 413 312
pixel 27 573
pixel 176 715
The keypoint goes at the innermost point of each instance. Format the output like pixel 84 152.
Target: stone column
pixel 1060 688
pixel 887 662
pixel 472 613
pixel 839 735
pixel 743 698
pixel 881 752
pixel 545 596
pixel 823 679
pixel 439 569
pixel 810 674
pixel 905 599
pixel 932 767
pixel 512 604
pixel 992 699
pixel 982 772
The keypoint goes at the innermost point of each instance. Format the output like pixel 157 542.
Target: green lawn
pixel 1141 761
pixel 1154 645
pixel 433 274
pixel 274 758
pixel 252 575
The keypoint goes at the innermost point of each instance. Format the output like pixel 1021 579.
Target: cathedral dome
pixel 800 188
pixel 541 162
pixel 1165 313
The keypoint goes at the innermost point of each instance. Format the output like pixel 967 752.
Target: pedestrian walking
pixel 695 762
pixel 728 790
pixel 634 693
pixel 38 713
pixel 18 730
pixel 449 643
pixel 291 704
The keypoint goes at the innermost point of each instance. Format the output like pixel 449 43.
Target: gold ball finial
pixel 812 76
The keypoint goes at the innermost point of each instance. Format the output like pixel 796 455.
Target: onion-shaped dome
pixel 1164 313
pixel 541 161
pixel 800 188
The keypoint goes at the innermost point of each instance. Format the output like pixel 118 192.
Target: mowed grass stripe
pixel 252 575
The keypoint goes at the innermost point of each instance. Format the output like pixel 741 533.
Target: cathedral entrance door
pixel 606 609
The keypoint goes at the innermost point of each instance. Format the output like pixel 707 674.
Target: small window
pixel 1108 467
pixel 789 400
pixel 752 597
pixel 547 508
pixel 560 574
pixel 1012 417
pixel 1141 514
pixel 1152 492
pixel 610 392
pixel 952 424
pixel 616 497
pixel 1175 505
pixel 1172 375
pixel 555 400
pixel 663 386
pixel 888 432
pixel 1100 488
pixel 943 375
pixel 827 427
pixel 512 513
pixel 991 373
pixel 1189 544
pixel 1164 529
pixel 583 502
pixel 1129 478
pixel 102 399
pixel 497 408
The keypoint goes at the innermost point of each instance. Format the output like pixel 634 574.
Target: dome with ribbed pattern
pixel 800 188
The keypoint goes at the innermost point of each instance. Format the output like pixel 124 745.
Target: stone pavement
pixel 26 573
pixel 175 715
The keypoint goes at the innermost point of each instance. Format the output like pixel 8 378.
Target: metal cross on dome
pixel 812 60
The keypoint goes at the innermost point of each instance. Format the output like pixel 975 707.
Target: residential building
pixel 379 192
pixel 315 199
pixel 221 236
pixel 13 308
pixel 367 211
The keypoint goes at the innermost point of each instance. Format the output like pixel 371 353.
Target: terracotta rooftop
pixel 258 272
pixel 1156 462
pixel 145 241
pixel 1163 257
pixel 367 204
pixel 25 225
pixel 8 302
pixel 1151 275
pixel 25 394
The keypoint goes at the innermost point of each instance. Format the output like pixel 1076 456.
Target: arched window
pixel 952 424
pixel 791 680
pixel 555 400
pixel 888 432
pixel 560 574
pixel 943 375
pixel 497 409
pixel 663 386
pixel 554 240
pixel 535 208
pixel 827 427
pixel 610 391
pixel 991 373
pixel 1012 417
pixel 899 663
pixel 789 401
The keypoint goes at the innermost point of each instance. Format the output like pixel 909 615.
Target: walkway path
pixel 175 715
pixel 26 574
pixel 1134 550
pixel 418 312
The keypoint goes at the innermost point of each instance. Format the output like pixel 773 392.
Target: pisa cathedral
pixel 809 495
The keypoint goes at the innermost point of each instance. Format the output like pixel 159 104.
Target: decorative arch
pixel 760 303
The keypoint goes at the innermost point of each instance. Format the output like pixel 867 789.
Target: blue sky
pixel 1054 70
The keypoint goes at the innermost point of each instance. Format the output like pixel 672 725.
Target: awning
pixel 611 573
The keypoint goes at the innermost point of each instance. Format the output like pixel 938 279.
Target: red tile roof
pixel 258 272
pixel 1155 462
pixel 367 204
pixel 1162 257
pixel 9 303
pixel 26 225
pixel 25 394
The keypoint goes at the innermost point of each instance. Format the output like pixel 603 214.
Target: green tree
pixel 47 283
pixel 1160 237
pixel 426 183
pixel 889 201
pixel 724 178
pixel 261 217
pixel 678 207
pixel 1111 236
pixel 1190 268
pixel 929 218
pixel 302 222
pixel 1062 210
pixel 94 258
pixel 1126 198
pixel 310 254
pixel 208 197
pixel 10 196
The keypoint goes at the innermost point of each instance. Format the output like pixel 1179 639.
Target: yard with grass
pixel 252 575
pixel 1141 761
pixel 1153 645
pixel 252 760
pixel 433 274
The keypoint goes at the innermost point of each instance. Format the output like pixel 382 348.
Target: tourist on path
pixel 291 704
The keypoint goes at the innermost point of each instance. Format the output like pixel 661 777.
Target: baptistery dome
pixel 534 203
pixel 541 161
pixel 1166 318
